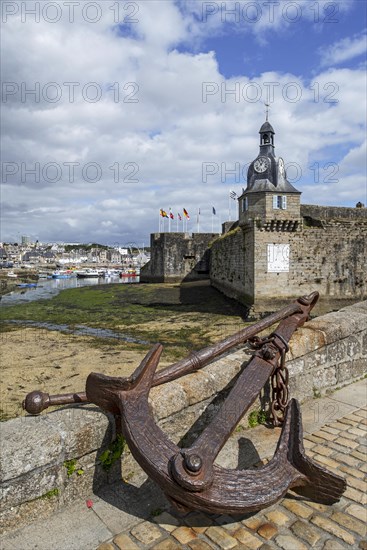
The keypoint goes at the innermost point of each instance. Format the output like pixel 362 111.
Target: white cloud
pixel 344 50
pixel 163 139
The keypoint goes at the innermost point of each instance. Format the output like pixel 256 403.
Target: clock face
pixel 281 166
pixel 261 164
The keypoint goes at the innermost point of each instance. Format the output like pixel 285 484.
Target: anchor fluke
pixel 321 485
pixel 313 480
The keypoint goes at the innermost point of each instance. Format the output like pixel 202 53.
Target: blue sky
pixel 297 48
pixel 147 122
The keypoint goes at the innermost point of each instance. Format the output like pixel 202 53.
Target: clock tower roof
pixel 267 172
pixel 266 127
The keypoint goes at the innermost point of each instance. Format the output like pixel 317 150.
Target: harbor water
pixel 47 288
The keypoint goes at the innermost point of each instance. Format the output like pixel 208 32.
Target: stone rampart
pixel 328 254
pixel 177 256
pixel 331 259
pixel 47 461
pixel 333 212
pixel 231 269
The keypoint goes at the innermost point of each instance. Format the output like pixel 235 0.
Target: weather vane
pixel 267 105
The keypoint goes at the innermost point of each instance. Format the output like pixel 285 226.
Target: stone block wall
pixel 331 259
pixel 48 461
pixel 260 207
pixel 231 264
pixel 327 253
pixel 314 211
pixel 178 256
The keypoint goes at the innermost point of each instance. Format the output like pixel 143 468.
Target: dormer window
pixel 279 202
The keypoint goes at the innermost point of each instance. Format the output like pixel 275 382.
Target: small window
pixel 279 202
pixel 245 204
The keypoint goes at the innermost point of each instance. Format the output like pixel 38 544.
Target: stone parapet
pixel 333 212
pixel 46 461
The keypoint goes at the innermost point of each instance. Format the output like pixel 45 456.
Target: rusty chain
pixel 279 381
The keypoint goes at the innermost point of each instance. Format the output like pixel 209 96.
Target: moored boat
pixel 109 273
pixel 62 274
pixel 129 273
pixel 88 273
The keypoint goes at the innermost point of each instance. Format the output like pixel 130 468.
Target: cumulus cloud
pixel 166 131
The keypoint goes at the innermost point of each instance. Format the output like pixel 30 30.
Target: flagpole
pixel 198 220
pixel 212 221
pixel 229 206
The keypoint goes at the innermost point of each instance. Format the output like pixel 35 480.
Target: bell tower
pixel 270 201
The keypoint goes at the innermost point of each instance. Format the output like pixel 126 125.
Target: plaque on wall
pixel 278 258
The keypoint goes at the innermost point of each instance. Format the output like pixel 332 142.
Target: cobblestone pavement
pixel 293 524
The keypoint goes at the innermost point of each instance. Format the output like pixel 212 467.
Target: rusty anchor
pixel 189 476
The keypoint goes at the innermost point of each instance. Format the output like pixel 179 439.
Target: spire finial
pixel 267 105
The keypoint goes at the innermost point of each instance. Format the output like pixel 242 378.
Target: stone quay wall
pixel 177 257
pixel 48 461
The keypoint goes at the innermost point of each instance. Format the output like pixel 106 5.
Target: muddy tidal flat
pixel 53 344
pixel 46 344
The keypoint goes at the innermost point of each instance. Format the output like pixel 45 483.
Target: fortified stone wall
pixel 231 266
pixel 330 259
pixel 48 461
pixel 328 254
pixel 178 256
pixel 333 212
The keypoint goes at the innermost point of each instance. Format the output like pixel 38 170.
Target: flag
pixel 171 216
pixel 233 195
pixel 186 214
pixel 214 212
pixel 179 217
pixel 163 213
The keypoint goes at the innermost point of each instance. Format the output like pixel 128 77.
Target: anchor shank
pixel 245 390
pixel 193 468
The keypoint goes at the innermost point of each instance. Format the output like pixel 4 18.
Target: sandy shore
pixel 55 363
